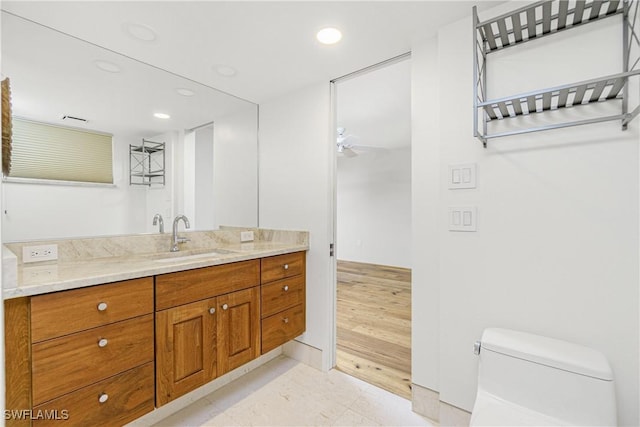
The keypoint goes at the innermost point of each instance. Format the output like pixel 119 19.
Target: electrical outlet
pixel 246 236
pixel 39 253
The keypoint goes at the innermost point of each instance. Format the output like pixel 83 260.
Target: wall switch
pixel 462 176
pixel 463 218
pixel 246 236
pixel 39 253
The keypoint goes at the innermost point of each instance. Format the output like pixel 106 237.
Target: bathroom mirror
pixel 211 156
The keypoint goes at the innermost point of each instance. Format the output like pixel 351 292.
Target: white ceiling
pixel 271 44
pixel 53 75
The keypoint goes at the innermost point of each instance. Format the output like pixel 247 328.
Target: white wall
pixel 159 199
pixel 197 173
pixel 295 154
pixel 556 252
pixel 235 169
pixel 425 190
pixel 374 207
pixel 204 203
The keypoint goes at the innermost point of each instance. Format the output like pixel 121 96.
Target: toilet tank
pixel 561 380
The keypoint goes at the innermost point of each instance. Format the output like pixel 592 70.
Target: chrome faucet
pixel 156 218
pixel 176 239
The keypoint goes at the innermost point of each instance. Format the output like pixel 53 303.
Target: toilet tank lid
pixel 548 351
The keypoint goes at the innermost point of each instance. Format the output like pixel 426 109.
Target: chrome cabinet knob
pixel 102 306
pixel 103 398
pixel 285 320
pixel 285 288
pixel 212 310
pixel 225 306
pixel 103 343
pixel 286 266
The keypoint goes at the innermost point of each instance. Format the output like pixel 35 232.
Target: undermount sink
pixel 190 255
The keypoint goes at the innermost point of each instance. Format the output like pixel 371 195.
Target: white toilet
pixel 527 380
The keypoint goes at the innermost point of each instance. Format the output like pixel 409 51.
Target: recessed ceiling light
pixel 329 35
pixel 161 115
pixel 185 92
pixel 107 66
pixel 140 31
pixel 225 70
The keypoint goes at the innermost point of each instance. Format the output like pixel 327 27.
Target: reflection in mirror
pixel 211 140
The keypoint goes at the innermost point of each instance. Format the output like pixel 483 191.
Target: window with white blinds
pixel 45 151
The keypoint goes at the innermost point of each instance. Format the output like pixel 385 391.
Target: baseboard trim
pixel 427 403
pixel 303 353
pixel 453 416
pixel 182 402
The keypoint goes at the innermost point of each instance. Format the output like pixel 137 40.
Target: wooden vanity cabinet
pixel 283 279
pixel 85 356
pixel 200 339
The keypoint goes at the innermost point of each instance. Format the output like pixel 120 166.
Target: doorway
pixel 373 225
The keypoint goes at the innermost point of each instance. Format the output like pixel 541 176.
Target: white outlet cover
pixel 39 253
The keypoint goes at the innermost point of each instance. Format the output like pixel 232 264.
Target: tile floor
pixel 284 392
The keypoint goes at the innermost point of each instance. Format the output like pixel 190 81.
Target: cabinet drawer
pixel 62 313
pixel 184 287
pixel 129 395
pixel 65 364
pixel 282 327
pixel 282 266
pixel 283 294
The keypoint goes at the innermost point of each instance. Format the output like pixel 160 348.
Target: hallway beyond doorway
pixel 374 325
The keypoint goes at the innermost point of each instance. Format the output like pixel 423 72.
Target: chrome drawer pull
pixel 103 398
pixel 102 306
pixel 285 288
pixel 103 343
pixel 212 310
pixel 286 266
pixel 225 306
pixel 285 320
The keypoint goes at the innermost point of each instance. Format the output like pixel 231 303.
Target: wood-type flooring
pixel 374 325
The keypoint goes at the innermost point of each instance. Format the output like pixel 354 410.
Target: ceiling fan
pixel 348 144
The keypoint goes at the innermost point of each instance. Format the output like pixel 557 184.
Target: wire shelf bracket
pixel 147 163
pixel 541 19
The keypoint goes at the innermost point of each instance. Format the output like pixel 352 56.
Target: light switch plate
pixel 246 236
pixel 463 218
pixel 462 176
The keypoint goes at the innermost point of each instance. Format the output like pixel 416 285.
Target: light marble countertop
pixel 80 271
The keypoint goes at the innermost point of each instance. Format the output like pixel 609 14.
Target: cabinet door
pixel 238 328
pixel 185 349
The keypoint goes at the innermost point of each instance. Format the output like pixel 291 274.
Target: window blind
pixel 45 151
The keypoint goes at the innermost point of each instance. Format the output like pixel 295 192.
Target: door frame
pixel 333 173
